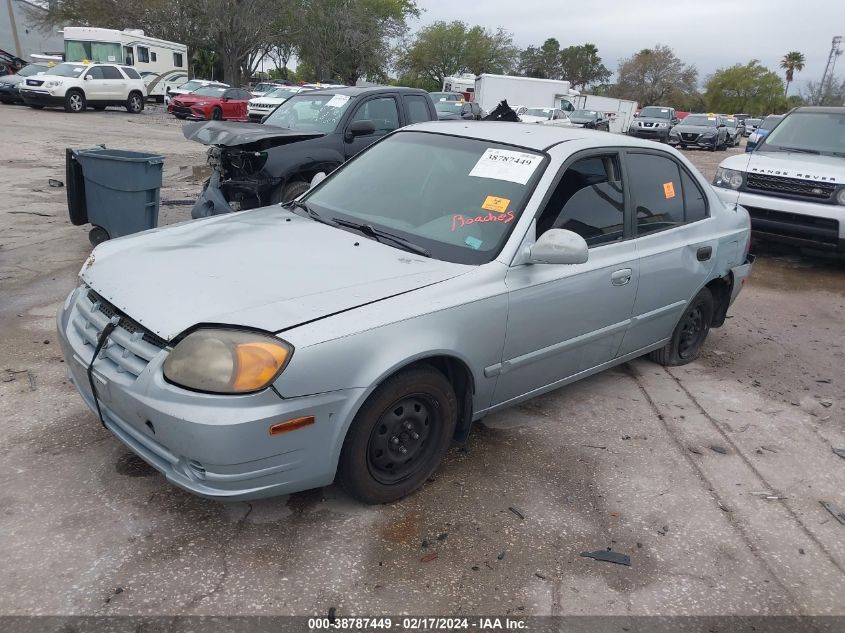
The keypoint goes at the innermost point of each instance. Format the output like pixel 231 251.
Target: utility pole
pixel 18 49
pixel 831 62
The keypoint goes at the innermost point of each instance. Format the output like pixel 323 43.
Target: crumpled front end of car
pixel 213 445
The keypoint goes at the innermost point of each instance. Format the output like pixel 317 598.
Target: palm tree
pixel 791 62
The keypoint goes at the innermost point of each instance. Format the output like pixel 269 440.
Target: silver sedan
pixel 447 272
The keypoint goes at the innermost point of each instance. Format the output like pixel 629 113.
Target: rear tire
pixel 690 333
pixel 293 190
pixel 75 101
pixel 399 436
pixel 135 103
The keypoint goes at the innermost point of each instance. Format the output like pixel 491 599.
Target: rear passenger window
pixel 131 72
pixel 110 72
pixel 417 109
pixel 589 200
pixel 694 202
pixel 657 193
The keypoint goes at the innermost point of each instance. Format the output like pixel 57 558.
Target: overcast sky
pixel 708 34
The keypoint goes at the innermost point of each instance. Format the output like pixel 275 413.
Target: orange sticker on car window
pixel 492 203
pixel 668 190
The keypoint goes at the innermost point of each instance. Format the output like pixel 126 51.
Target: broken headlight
pixel 728 178
pixel 226 361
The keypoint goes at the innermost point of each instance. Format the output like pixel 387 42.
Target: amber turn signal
pixel 291 425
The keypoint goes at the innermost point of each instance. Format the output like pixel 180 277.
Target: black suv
pixel 654 122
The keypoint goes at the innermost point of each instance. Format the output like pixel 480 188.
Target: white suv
pixel 76 86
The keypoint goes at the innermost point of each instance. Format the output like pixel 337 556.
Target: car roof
pixel 820 109
pixel 530 136
pixel 355 91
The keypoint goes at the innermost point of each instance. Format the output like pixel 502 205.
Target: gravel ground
pixel 709 476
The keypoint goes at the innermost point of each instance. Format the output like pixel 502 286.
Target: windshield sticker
pixel 504 164
pixel 442 98
pixel 337 101
pixel 493 203
pixel 664 110
pixel 711 118
pixel 668 190
pixel 473 242
pixel 112 58
pixel 459 221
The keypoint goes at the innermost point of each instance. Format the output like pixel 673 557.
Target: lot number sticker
pixel 504 164
pixel 668 190
pixel 492 203
pixel 337 101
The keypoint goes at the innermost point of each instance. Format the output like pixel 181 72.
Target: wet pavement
pixel 708 477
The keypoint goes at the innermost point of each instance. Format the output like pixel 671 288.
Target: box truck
pixel 524 91
pixel 619 111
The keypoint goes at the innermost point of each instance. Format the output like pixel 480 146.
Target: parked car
pixel 763 128
pixel 261 89
pixel 734 129
pixel 311 133
pixel 212 103
pixel 793 185
pixel 706 131
pixel 546 116
pixel 260 107
pixel 188 87
pixel 654 122
pixel 79 86
pixel 354 334
pixel 158 85
pixel 750 126
pixel 446 96
pixel 591 119
pixel 10 84
pixel 451 110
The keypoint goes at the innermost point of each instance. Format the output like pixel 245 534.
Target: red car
pixel 214 103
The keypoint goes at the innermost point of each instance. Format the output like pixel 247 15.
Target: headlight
pixel 660 125
pixel 226 361
pixel 840 197
pixel 752 138
pixel 52 84
pixel 710 134
pixel 729 179
pixel 674 133
pixel 202 103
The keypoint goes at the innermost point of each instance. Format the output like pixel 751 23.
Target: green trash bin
pixel 116 190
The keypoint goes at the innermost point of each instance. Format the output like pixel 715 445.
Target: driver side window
pixel 382 111
pixel 589 200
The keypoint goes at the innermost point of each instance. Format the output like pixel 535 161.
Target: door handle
pixel 621 277
pixel 704 253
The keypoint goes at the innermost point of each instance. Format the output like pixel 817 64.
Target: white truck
pixel 620 112
pixel 524 91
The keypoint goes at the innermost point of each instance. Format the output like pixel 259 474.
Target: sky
pixel 709 35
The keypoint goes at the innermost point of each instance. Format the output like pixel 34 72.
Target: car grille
pixel 689 136
pixel 181 109
pixel 260 106
pixel 34 82
pixel 129 348
pixel 791 186
pixel 647 124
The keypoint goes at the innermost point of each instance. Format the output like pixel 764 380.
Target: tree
pixel 445 49
pixel 655 76
pixel 791 62
pixel 581 65
pixel 832 93
pixel 749 88
pixel 542 62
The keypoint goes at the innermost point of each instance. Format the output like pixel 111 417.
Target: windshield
pixel 310 112
pixel 210 91
pixel 545 113
pixel 769 122
pixel 449 106
pixel 264 87
pixel 66 70
pixel 457 197
pixel 446 96
pixel 730 122
pixel 656 113
pixel 583 114
pixel 190 85
pixel 104 52
pixel 32 69
pixel 281 93
pixel 750 122
pixel 700 119
pixel 822 132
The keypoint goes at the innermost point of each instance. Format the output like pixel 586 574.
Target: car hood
pixel 527 118
pixel 580 121
pixel 235 134
pixel 267 268
pixel 448 116
pixel 652 119
pixel 11 80
pixel 790 165
pixel 696 129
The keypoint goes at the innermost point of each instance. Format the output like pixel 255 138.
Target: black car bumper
pixel 705 143
pixel 9 93
pixel 181 111
pixel 652 133
pixel 31 97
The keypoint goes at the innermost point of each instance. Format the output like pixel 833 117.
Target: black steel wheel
pixel 690 332
pixel 399 436
pixel 97 235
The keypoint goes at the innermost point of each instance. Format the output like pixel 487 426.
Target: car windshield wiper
pixel 799 150
pixel 371 231
pixel 296 204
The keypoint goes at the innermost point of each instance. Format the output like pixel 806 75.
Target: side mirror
pixel 224 99
pixel 359 128
pixel 559 246
pixel 317 179
pixel 88 78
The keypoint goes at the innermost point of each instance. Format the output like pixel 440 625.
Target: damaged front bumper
pixel 214 446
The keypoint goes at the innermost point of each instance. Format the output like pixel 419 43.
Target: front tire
pixel 135 103
pixel 689 335
pixel 75 101
pixel 217 114
pixel 399 436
